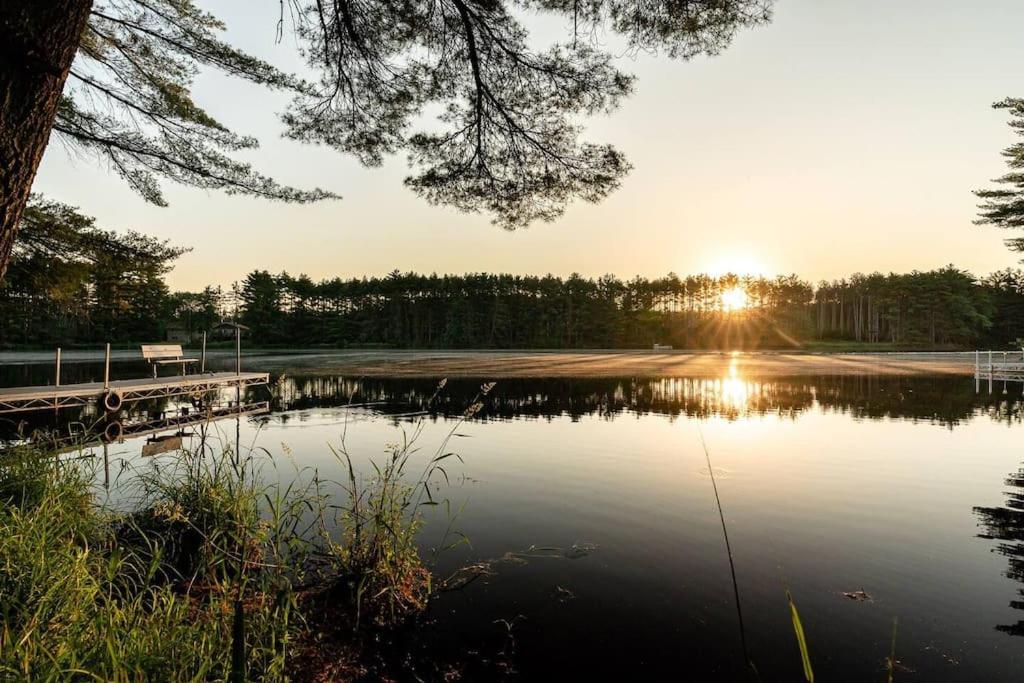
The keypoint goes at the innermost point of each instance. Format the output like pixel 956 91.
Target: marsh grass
pixel 80 604
pixel 209 573
pixel 376 560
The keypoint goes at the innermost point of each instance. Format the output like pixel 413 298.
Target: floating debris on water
pixel 578 550
pixel 857 596
pixel 948 658
pixel 486 568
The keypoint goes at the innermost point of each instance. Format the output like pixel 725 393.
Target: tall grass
pixel 78 602
pixel 211 573
pixel 376 560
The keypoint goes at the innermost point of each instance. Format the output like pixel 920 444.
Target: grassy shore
pixel 210 573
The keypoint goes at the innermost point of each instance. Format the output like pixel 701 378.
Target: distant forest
pixel 73 283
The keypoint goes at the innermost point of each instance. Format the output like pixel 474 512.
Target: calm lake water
pixel 594 501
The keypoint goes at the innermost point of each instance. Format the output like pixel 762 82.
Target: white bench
pixel 166 354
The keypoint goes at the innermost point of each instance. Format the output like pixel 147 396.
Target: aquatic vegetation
pixel 482 569
pixel 890 662
pixel 77 603
pixel 801 639
pixel 200 516
pixel 210 573
pixel 376 561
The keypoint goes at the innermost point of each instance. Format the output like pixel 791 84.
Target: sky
pixel 842 137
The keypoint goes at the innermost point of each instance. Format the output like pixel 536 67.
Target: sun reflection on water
pixel 732 395
pixel 733 390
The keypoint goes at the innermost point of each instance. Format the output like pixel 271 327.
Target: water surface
pixel 591 501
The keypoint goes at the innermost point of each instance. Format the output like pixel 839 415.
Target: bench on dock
pixel 166 354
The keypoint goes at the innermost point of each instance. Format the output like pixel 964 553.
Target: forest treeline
pixel 73 283
pixel 944 307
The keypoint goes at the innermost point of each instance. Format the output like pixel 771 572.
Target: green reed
pixel 211 573
pixel 375 559
pixel 93 594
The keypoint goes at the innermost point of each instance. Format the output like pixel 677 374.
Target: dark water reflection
pixel 1005 524
pixel 943 400
pixel 895 485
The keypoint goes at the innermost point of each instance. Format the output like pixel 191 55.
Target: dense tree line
pixel 944 306
pixel 936 308
pixel 508 311
pixel 72 282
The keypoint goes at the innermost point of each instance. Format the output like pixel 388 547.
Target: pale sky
pixel 842 137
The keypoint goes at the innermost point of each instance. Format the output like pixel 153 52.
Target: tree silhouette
pixel 63 262
pixel 1006 525
pixel 1004 207
pixel 947 401
pixel 507 140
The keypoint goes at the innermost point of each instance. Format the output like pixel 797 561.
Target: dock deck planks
pixel 15 399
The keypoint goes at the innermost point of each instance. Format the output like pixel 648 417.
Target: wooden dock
pixel 118 431
pixel 998 366
pixel 117 392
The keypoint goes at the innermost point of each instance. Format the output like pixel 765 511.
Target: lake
pixel 592 505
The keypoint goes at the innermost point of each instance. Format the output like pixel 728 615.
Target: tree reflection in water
pixel 943 399
pixel 1006 525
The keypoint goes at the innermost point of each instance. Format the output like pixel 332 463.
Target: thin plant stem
pixel 732 566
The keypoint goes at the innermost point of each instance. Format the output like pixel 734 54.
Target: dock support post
pixel 977 363
pixel 106 368
pixel 56 381
pixel 990 372
pixel 238 366
pixel 238 395
pixel 202 356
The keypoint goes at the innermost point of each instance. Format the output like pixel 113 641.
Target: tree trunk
pixel 39 44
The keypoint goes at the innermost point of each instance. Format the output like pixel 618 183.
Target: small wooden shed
pixel 225 330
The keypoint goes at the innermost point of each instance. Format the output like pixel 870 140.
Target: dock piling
pixel 106 368
pixel 238 364
pixel 202 355
pixel 56 380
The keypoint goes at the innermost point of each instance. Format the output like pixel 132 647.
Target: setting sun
pixel 734 299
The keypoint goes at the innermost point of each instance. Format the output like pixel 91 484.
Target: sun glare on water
pixel 734 299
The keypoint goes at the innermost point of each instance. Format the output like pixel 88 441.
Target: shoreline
pixel 490 363
pixel 553 364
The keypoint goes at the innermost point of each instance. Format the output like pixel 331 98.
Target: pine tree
pixel 1004 207
pixel 113 77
